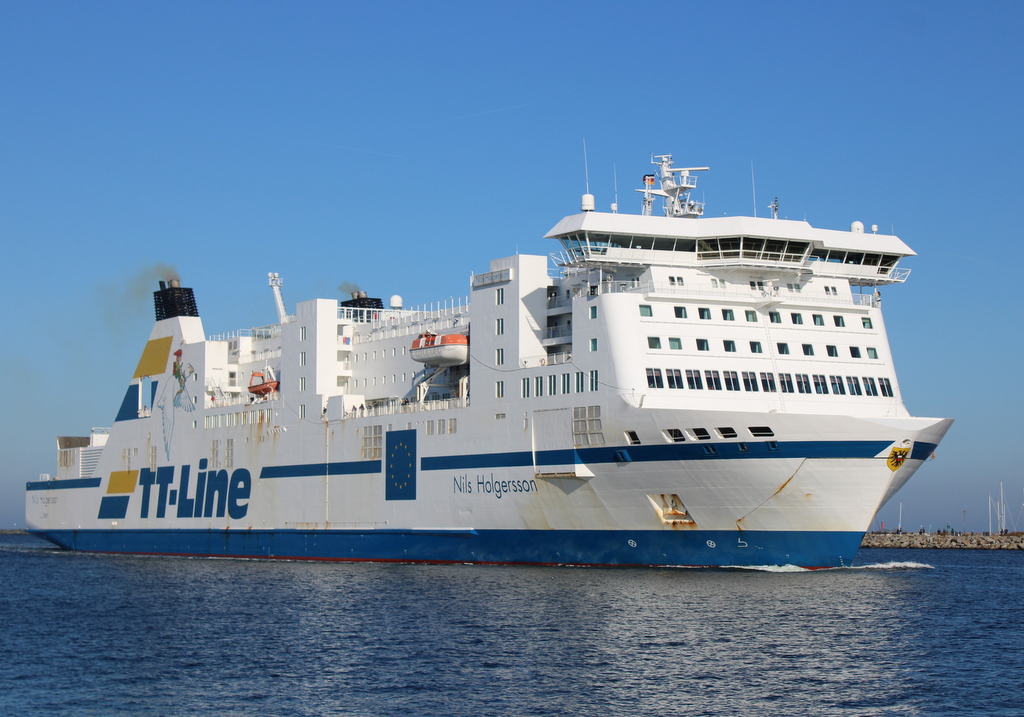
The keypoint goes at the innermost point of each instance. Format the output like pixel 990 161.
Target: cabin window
pixel 714 380
pixel 729 345
pixel 820 386
pixel 702 345
pixel 499 296
pixel 680 312
pixel 732 380
pixel 499 357
pixel 750 381
pixel 593 312
pixel 755 347
pixel 783 348
pixel 653 342
pixel 538 383
pixel 775 317
pixel 675 377
pixel 819 320
pixel 302 333
pixel 499 389
pixel 675 435
pixel 726 432
pixel 872 353
pixel 594 382
pixel 525 388
pixel 701 434
pixel 832 351
pixel 675 344
pixel 499 327
pixel 866 321
pixel 797 318
pixel 854 352
pixel 869 386
pixel 704 313
pixel 302 358
pixel 645 310
pixel 580 381
pixel 566 383
pixel 751 315
pixel 553 385
pixel 632 438
pixel 761 431
pixel 837 385
pixel 854 385
pixel 839 321
pixel 728 315
pixel 786 382
pixel 593 344
pixel 302 383
pixel 803 383
pixel 808 350
pixel 693 380
pixel 885 387
pixel 768 382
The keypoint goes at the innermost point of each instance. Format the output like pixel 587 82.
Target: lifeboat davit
pixel 259 385
pixel 444 350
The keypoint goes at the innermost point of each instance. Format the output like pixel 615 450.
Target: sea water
pixel 922 632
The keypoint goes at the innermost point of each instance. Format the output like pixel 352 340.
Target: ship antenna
pixel 615 183
pixel 774 206
pixel 587 203
pixel 753 187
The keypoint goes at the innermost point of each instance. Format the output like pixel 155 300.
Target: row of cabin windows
pixel 729 346
pixel 775 317
pixel 677 435
pixel 553 384
pixel 443 426
pixel 755 381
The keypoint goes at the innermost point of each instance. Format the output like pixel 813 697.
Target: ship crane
pixel 676 183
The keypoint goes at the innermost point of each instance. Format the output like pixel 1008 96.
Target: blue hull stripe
pixel 813 549
pixel 308 470
pixel 666 452
pixel 63 484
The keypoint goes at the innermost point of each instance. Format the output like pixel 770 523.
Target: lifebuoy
pixel 543 362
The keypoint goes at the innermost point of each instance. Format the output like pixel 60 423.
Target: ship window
pixel 786 382
pixel 539 385
pixel 525 388
pixel 499 327
pixel 580 380
pixel 803 383
pixel 593 344
pixel 645 310
pixel 729 345
pixel 632 438
pixel 732 380
pixel 675 435
pixel 797 318
pixel 728 315
pixel 872 353
pixel 553 385
pixel 499 389
pixel 726 432
pixel 837 385
pixel 761 431
pixel 499 416
pixel 714 380
pixel 839 321
pixel 373 441
pixel 819 320
pixel 680 312
pixel 675 377
pixel 704 313
pixel 702 345
pixel 820 386
pixel 866 321
pixel 499 357
pixel 593 312
pixel 654 378
pixel 676 344
pixel 768 382
pixel 441 423
pixel 869 386
pixel 594 382
pixel 832 351
pixel 701 434
pixel 885 387
pixel 808 350
pixel 755 347
pixel 302 383
pixel 653 342
pixel 783 348
pixel 499 296
pixel 750 381
pixel 854 385
pixel 751 315
pixel 693 380
pixel 775 316
pixel 429 428
pixel 566 383
pixel 855 352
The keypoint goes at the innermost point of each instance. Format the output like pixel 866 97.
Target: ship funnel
pixel 174 300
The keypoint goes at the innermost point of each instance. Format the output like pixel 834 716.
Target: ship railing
pixel 554 332
pixel 545 360
pixel 557 302
pixel 782 294
pixel 242 399
pixel 395 407
pixel 259 333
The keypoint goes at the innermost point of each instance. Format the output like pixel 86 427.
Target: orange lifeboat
pixel 260 386
pixel 444 350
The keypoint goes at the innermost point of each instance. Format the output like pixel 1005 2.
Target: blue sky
pixel 401 146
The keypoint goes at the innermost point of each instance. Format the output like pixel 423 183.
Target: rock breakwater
pixel 965 541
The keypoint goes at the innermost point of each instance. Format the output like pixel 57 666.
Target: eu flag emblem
pixel 400 465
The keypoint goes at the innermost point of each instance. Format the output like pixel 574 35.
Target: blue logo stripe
pixel 308 470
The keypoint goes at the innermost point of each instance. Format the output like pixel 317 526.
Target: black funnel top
pixel 174 300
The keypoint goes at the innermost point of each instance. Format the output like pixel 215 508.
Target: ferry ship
pixel 662 390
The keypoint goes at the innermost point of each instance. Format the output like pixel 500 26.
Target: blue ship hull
pixel 810 549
